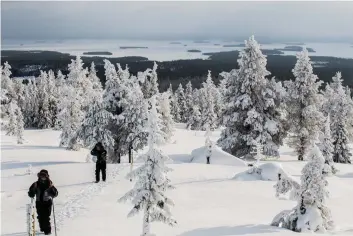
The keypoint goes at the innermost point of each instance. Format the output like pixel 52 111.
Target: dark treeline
pixel 29 63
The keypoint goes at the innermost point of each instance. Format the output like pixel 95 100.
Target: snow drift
pixel 266 172
pixel 218 157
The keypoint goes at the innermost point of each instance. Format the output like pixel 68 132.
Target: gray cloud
pixel 315 21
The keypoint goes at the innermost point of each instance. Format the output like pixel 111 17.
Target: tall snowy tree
pixel 111 97
pixel 44 113
pixel 326 147
pixel 70 117
pixel 96 85
pixel 207 104
pixel 189 101
pixel 194 122
pixel 166 116
pixel 94 127
pixel 311 212
pixel 150 84
pixel 304 103
pixel 30 112
pixel 148 194
pixel 7 89
pixel 132 120
pixel 251 114
pixel 15 125
pixel 181 100
pixel 175 109
pixel 339 106
pixel 54 97
pixel 6 81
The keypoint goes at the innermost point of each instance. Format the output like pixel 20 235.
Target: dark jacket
pixel 100 154
pixel 44 192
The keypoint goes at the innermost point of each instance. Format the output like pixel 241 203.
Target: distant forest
pixel 29 63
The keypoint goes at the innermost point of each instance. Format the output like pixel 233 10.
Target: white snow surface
pixel 207 201
pixel 218 157
pixel 269 172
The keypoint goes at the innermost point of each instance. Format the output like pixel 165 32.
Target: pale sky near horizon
pixel 274 21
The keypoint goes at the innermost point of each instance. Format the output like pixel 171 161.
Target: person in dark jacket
pixel 44 191
pixel 101 164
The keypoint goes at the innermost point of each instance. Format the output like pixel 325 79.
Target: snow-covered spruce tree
pixel 326 147
pixel 19 89
pixel 54 97
pixel 286 183
pixel 132 120
pixel 60 84
pixel 175 109
pixel 148 194
pixel 6 81
pixel 303 105
pixel 194 122
pixel 31 109
pixel 95 83
pixel 15 125
pixel 251 113
pixel 207 104
pixel 311 212
pixel 7 89
pixel 150 85
pixel 166 116
pixel 189 101
pixel 60 79
pixel 111 98
pixel 70 117
pixel 44 114
pixel 94 127
pixel 340 108
pixel 218 105
pixel 180 99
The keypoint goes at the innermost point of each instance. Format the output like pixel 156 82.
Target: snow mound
pixel 219 157
pixel 266 172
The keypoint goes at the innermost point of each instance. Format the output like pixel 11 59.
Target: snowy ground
pixel 208 202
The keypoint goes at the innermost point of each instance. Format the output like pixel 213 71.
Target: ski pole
pixel 54 218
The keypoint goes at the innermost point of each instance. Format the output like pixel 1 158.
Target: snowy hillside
pixel 208 202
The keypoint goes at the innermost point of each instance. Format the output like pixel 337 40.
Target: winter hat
pixel 43 172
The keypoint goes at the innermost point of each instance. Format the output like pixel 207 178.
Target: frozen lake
pixel 163 50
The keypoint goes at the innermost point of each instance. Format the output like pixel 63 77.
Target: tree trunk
pixel 301 149
pixel 146 223
pixel 119 158
pixel 208 160
pixel 130 154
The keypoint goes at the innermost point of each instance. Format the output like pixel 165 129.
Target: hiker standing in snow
pixel 101 164
pixel 44 191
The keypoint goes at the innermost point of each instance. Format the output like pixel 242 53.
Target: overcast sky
pixel 293 21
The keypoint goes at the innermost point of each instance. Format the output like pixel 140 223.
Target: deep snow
pixel 208 202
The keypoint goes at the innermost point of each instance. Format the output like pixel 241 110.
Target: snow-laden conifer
pixel 175 109
pixel 311 212
pixel 207 104
pixel 152 182
pixel 181 100
pixel 94 127
pixel 15 125
pixel 194 122
pixel 339 106
pixel 304 102
pixel 189 101
pixel 251 112
pixel 166 116
pixel 326 147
